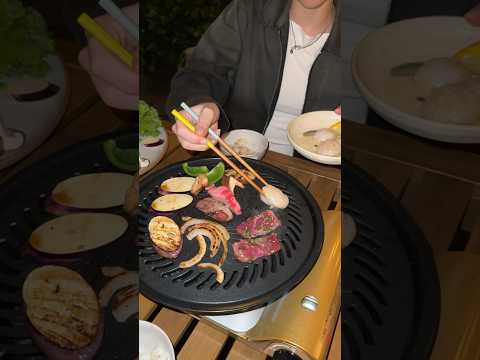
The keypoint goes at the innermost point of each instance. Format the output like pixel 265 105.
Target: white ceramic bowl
pixel 409 41
pixel 256 142
pixel 313 121
pixel 153 154
pixel 46 116
pixel 150 336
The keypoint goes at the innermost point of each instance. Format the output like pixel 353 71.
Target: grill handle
pixel 285 355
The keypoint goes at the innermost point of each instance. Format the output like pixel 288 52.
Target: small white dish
pixel 253 142
pixel 312 121
pixel 150 156
pixel 150 336
pixel 404 42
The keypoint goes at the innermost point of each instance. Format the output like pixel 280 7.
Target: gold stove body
pixel 304 320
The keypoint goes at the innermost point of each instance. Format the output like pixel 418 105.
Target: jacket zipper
pixel 278 83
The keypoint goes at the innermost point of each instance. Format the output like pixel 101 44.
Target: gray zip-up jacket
pixel 239 61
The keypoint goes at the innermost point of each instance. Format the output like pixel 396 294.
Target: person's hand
pixel 209 115
pixel 116 83
pixel 338 110
pixel 473 16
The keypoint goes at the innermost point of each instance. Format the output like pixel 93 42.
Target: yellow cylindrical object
pixel 105 39
pixel 188 124
pixel 470 57
pixel 472 50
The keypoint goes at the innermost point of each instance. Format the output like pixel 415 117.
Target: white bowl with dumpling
pixel 153 343
pixel 311 135
pixel 439 100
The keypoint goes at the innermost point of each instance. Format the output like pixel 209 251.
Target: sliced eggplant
pixel 93 191
pixel 171 202
pixel 178 184
pixel 62 307
pixel 75 233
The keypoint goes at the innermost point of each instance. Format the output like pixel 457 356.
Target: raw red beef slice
pixel 223 194
pixel 259 225
pixel 251 250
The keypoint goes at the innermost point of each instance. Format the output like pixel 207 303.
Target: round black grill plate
pixel 390 290
pixel 246 286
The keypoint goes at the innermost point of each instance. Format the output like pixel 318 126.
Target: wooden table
pixel 192 337
pixel 440 187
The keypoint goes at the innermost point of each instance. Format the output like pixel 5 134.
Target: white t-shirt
pixel 294 87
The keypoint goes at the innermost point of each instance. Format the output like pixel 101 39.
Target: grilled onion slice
pixel 202 245
pixel 220 276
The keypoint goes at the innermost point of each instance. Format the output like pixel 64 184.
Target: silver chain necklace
pixel 298 47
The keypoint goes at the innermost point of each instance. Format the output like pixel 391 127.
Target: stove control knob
pixel 285 355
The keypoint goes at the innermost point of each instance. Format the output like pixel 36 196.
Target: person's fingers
pixel 473 16
pixel 189 146
pixel 84 59
pixel 192 147
pixel 107 66
pixel 338 110
pixel 110 95
pixel 185 134
pixel 114 97
pixel 208 117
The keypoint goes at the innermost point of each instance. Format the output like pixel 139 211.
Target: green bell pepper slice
pixel 194 171
pixel 216 173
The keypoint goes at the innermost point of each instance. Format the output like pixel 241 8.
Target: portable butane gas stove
pixel 287 301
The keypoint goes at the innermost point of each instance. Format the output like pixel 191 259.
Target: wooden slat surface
pixel 146 308
pixel 415 153
pixel 301 176
pixel 437 203
pixel 204 343
pixel 173 323
pixel 394 176
pixel 307 166
pixel 323 191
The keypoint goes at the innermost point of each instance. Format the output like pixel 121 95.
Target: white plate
pixel 150 336
pixel 409 41
pixel 313 121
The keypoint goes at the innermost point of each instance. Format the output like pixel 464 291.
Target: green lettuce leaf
pixel 24 40
pixel 149 120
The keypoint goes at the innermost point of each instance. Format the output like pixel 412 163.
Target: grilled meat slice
pixel 215 209
pixel 259 225
pixel 250 250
